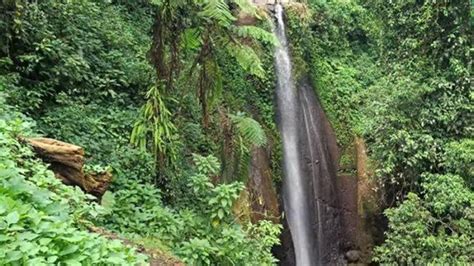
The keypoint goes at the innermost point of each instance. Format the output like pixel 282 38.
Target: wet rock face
pixel 352 256
pixel 331 203
pixel 320 162
pixel 263 197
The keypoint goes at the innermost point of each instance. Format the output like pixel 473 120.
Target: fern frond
pixel 217 10
pixel 247 59
pixel 191 39
pixel 243 160
pixel 255 33
pixel 250 130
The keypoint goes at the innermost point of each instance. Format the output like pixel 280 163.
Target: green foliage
pixel 217 10
pixel 41 218
pixel 248 135
pixel 216 201
pixel 249 130
pixel 207 166
pixel 268 235
pixel 256 33
pixel 414 30
pixel 100 131
pixel 459 159
pixel 202 231
pixel 89 50
pixel 81 70
pixel 197 251
pixel 397 74
pixel 435 228
pixel 420 126
pixel 425 101
pixel 247 59
pixel 155 130
pixel 137 209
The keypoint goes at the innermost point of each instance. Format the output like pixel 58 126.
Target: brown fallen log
pixel 97 183
pixel 67 161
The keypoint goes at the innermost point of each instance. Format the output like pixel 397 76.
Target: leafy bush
pixel 459 159
pixel 436 227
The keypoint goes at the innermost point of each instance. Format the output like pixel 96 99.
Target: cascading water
pixel 316 219
pixel 295 198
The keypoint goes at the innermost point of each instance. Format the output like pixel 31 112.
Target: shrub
pixel 434 227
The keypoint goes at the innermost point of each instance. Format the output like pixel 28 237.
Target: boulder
pixel 352 256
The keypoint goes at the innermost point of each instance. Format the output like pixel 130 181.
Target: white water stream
pixel 295 200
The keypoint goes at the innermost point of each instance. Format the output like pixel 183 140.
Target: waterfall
pixel 295 189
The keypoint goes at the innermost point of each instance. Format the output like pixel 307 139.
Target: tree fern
pixel 198 29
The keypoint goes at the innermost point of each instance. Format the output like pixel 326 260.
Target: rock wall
pixel 262 194
pixel 342 205
pixel 320 157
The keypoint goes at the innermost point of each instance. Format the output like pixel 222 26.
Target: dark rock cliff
pixel 332 199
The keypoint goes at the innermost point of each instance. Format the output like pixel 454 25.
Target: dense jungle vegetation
pixel 172 96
